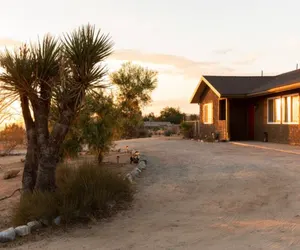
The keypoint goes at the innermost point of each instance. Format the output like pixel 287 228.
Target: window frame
pixel 282 118
pixel 281 97
pixel 212 111
pixel 274 98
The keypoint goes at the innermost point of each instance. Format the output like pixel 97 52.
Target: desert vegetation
pixel 62 86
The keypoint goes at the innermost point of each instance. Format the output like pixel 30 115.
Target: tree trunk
pixel 100 156
pixel 49 151
pixel 46 172
pixel 31 160
pixel 31 163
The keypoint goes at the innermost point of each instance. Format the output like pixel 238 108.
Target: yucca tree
pixel 59 72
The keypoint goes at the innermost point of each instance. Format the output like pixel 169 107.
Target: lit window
pixel 208 113
pixel 290 109
pixel 274 110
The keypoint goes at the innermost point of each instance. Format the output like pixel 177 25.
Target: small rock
pixel 142 165
pixel 45 222
pixel 57 221
pixel 135 172
pixel 111 204
pixel 145 161
pixel 7 235
pixel 34 225
pixel 11 174
pixel 129 177
pixel 22 230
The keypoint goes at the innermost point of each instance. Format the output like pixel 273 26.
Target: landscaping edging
pixel 11 233
pixel 141 166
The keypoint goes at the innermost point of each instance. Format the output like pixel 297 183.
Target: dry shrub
pixel 82 192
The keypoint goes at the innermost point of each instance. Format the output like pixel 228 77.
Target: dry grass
pixel 8 186
pixel 82 192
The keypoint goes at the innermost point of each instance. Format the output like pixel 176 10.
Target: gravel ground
pixel 201 196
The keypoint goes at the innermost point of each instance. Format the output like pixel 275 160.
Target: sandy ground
pixel 201 196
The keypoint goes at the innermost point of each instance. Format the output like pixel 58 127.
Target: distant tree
pixel 135 85
pixel 150 117
pixel 194 117
pixel 173 115
pixel 11 136
pixel 99 123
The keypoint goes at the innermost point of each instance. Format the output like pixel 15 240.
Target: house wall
pixel 278 133
pixel 206 130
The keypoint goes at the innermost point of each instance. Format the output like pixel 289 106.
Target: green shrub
pixel 142 133
pixel 186 129
pixel 82 192
pixel 167 133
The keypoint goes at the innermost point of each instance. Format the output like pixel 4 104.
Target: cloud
pixel 248 61
pixel 222 51
pixel 180 65
pixel 176 61
pixel 5 42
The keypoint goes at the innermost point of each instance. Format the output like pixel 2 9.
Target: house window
pixel 274 110
pixel 290 109
pixel 208 113
pixel 283 110
pixel 222 110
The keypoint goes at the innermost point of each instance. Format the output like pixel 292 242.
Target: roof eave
pixel 276 90
pixel 196 95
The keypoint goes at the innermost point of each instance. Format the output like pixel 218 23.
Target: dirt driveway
pixel 202 196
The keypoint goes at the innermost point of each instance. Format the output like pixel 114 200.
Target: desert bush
pixel 143 133
pixel 186 129
pixel 167 133
pixel 82 192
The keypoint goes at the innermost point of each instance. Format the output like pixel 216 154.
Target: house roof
pixel 237 85
pixel 244 86
pixel 284 80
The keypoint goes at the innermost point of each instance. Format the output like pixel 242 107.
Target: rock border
pixel 11 233
pixel 141 166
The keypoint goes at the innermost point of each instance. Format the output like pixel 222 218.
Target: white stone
pixel 57 221
pixel 7 235
pixel 142 165
pixel 34 225
pixel 129 177
pixel 22 230
pixel 135 172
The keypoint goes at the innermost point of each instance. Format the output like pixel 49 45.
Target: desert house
pixel 261 108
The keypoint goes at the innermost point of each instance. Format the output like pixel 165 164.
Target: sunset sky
pixel 180 39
